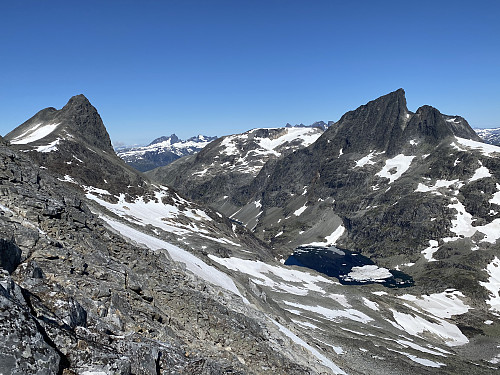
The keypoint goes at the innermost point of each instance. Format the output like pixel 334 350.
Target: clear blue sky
pixel 218 67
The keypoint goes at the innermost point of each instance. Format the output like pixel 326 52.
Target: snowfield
pixel 493 284
pixel 35 133
pixel 193 264
pixel 395 167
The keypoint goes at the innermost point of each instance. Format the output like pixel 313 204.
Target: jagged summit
pixel 162 151
pixel 386 125
pixel 73 143
pixel 172 138
pixel 78 119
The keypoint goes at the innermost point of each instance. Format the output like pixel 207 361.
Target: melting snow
pixel 368 273
pixel 370 304
pixel 280 279
pixel 429 252
pixel 416 325
pixel 481 172
pixel 324 360
pixel 152 212
pixel 400 163
pixel 52 146
pixel 421 361
pixel 485 148
pixel 331 314
pixel 194 264
pixel 493 284
pixel 496 196
pixel 422 349
pixel 67 179
pixel 331 239
pixel 300 210
pixel 439 184
pixel 34 133
pixel 366 160
pixel 462 225
pixel 442 305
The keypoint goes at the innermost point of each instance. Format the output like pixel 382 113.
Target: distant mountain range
pixel 491 136
pixel 162 151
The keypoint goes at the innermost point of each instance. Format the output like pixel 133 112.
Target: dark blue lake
pixel 348 267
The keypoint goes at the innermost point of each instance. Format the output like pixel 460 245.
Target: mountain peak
pixel 374 125
pixel 78 119
pixel 172 137
pixel 82 117
pixel 77 100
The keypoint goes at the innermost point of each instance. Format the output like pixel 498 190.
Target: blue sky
pixel 218 67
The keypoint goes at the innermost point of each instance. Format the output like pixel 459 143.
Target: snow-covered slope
pixel 162 151
pixel 237 159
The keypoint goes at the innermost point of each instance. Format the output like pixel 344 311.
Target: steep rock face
pixel 162 151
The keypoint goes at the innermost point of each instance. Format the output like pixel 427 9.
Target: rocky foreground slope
pixel 104 275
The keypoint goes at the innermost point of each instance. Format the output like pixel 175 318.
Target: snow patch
pixel 52 146
pixel 279 279
pixel 429 252
pixel 395 167
pixel 416 325
pixel 34 133
pixel 329 240
pixel 300 210
pixel 493 284
pixel 324 360
pixel 481 172
pixel 442 305
pixel 485 148
pixel 331 314
pixel 193 264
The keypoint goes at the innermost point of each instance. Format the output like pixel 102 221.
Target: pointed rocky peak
pixel 77 101
pixel 172 138
pixel 377 125
pixel 77 121
pixel 82 118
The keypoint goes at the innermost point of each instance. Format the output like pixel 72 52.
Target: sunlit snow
pixel 485 148
pixel 280 279
pixel 52 146
pixel 324 360
pixel 331 239
pixel 194 264
pixel 395 167
pixel 493 284
pixel 368 273
pixel 35 133
pixel 416 325
pixel 442 305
